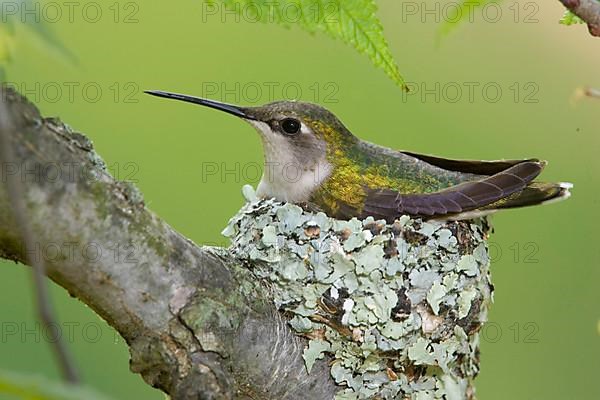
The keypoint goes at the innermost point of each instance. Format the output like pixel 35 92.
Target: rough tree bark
pixel 152 301
pixel 201 322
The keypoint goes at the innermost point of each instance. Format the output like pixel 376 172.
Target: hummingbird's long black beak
pixel 228 108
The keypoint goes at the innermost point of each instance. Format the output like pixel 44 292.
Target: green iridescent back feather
pixel 359 166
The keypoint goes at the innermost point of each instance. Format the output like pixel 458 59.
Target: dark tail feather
pixel 535 193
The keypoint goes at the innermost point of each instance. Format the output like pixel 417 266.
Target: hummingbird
pixel 311 158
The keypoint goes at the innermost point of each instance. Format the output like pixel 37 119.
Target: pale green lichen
pixel 396 307
pixel 316 350
pixel 435 296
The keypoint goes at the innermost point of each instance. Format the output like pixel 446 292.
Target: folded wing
pixel 467 196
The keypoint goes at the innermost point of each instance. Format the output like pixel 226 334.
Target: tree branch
pixel 197 324
pixel 588 11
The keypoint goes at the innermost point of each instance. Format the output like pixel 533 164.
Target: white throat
pixel 286 176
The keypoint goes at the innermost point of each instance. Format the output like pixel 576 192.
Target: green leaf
pixel 570 19
pixel 19 386
pixel 352 21
pixel 463 10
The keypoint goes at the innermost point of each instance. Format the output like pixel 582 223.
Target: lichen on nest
pixel 396 308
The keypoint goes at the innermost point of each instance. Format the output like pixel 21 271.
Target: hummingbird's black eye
pixel 290 126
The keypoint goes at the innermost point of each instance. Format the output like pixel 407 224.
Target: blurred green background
pixel 542 341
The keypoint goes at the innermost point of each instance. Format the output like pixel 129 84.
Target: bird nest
pixel 394 308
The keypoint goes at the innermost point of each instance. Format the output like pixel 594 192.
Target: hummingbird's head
pixel 298 139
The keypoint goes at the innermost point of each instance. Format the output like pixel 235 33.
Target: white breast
pixel 291 182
